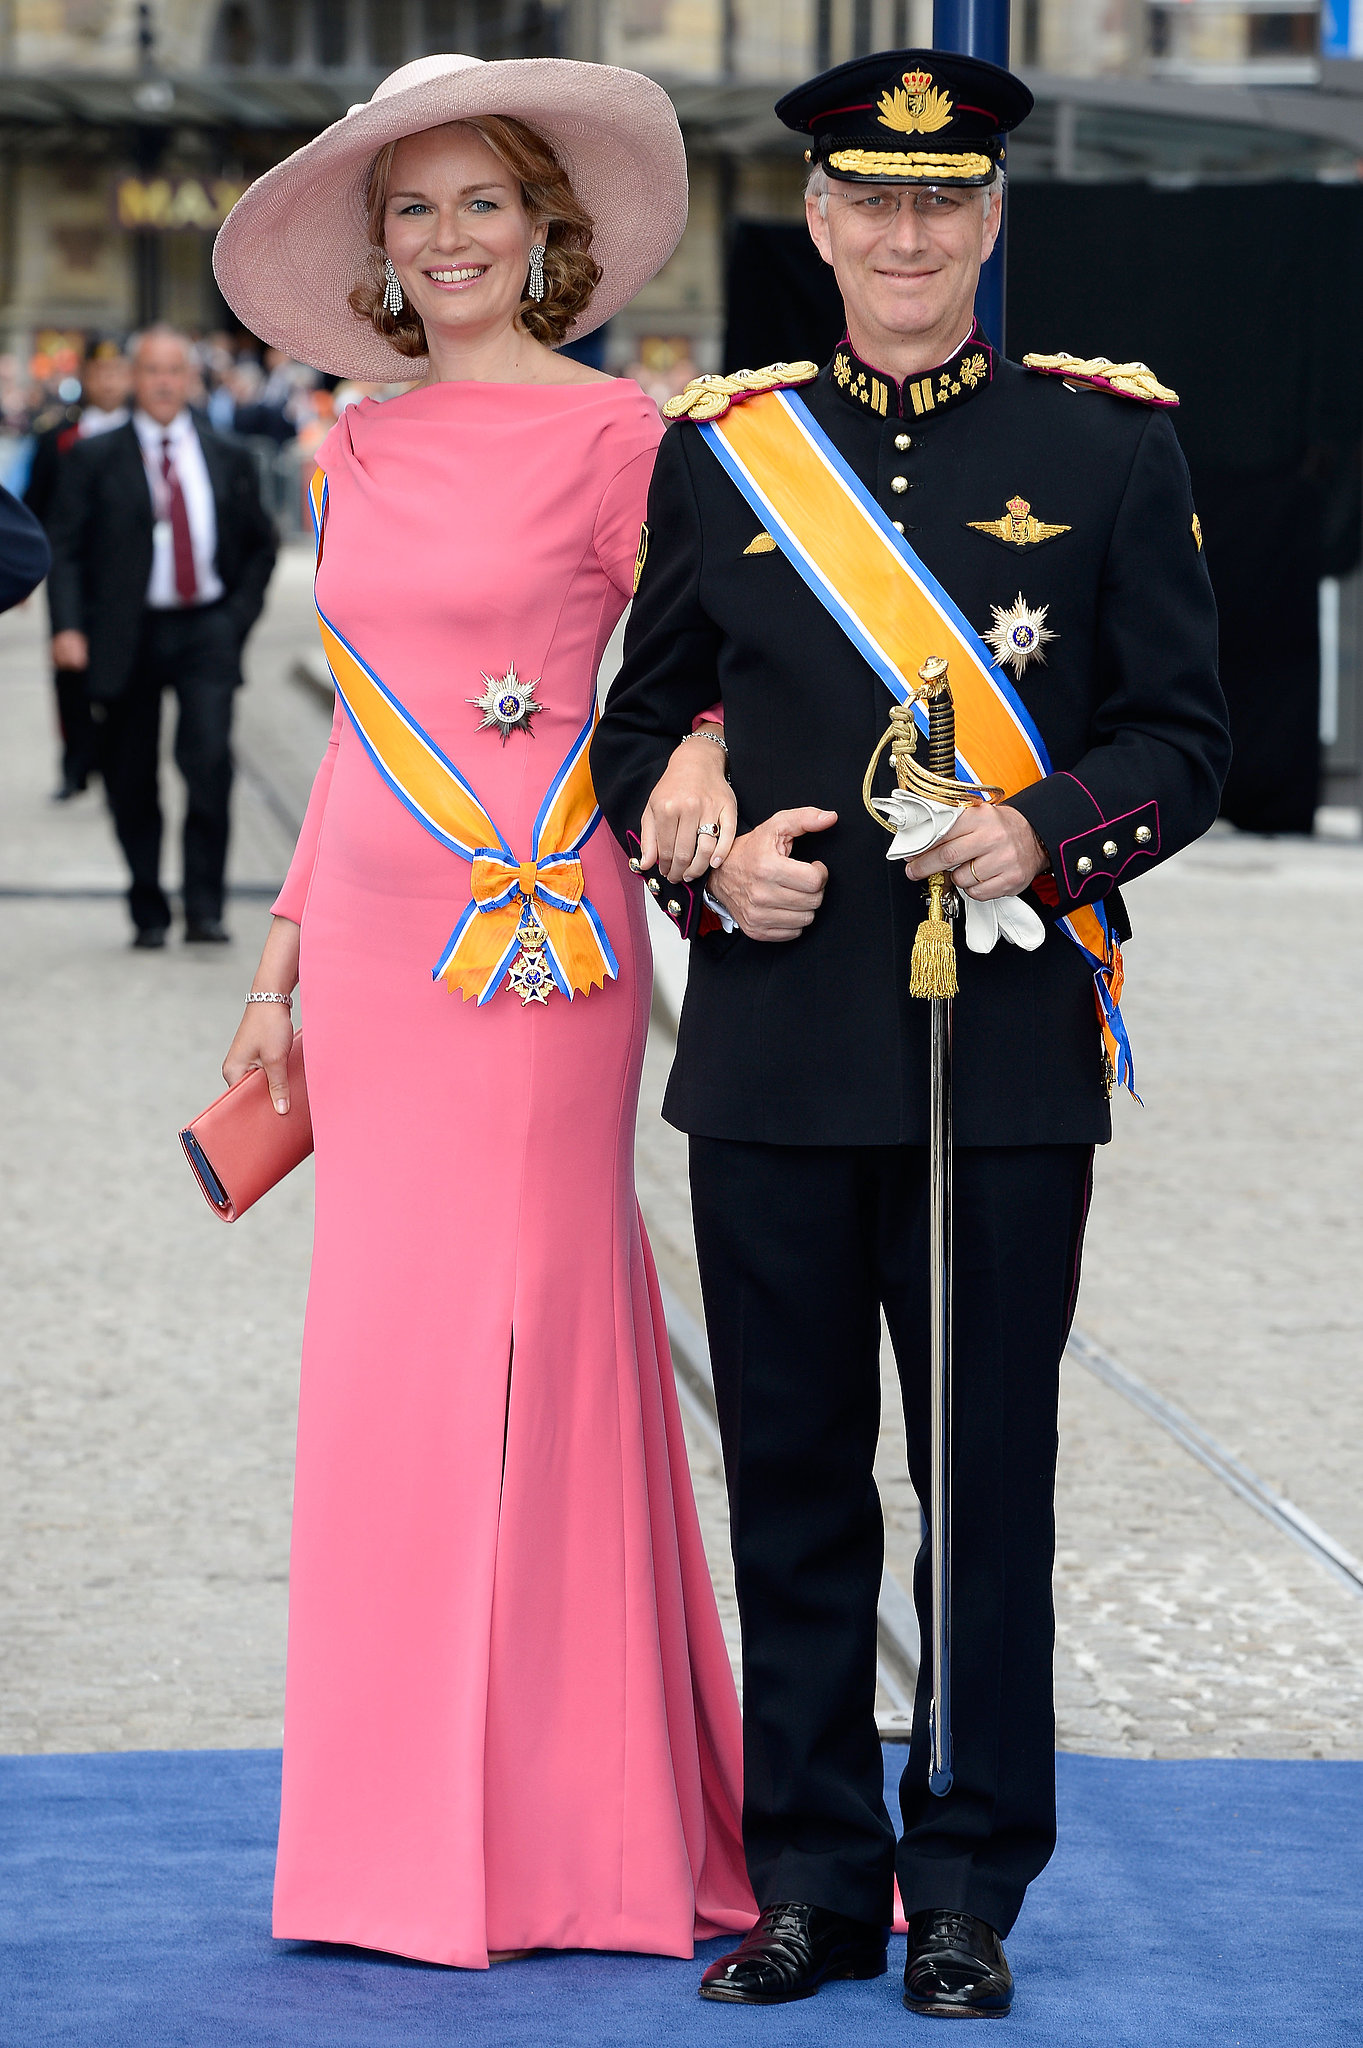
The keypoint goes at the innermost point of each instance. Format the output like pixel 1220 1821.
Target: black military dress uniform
pixel 802 1076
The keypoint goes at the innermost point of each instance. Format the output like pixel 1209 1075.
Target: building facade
pixel 127 129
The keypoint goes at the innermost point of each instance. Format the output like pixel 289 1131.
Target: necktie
pixel 186 583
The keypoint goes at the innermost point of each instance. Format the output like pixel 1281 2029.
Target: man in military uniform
pixel 1055 511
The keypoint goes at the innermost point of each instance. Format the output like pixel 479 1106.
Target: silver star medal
pixel 530 978
pixel 1018 634
pixel 507 703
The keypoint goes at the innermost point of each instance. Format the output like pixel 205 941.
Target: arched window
pixel 236 35
pixel 280 37
pixel 386 26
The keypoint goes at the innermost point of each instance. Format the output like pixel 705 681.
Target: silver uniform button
pixel 673 907
pixel 899 484
pixel 903 441
pixel 1110 849
pixel 898 525
pixel 1083 864
pixel 1143 835
pixel 633 865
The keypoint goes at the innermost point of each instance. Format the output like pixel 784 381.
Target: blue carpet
pixel 1189 1903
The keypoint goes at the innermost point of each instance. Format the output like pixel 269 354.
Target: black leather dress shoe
pixel 956 1967
pixel 792 1951
pixel 150 938
pixel 207 933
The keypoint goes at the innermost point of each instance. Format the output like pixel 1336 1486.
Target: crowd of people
pixel 205 448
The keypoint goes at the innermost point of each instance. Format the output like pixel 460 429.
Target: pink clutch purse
pixel 241 1146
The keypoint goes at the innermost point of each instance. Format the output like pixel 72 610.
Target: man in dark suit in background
pixel 103 408
pixel 162 552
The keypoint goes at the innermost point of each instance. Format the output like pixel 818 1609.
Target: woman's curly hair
pixel 570 273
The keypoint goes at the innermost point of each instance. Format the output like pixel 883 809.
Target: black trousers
pixel 80 735
pixel 194 653
pixel 799 1248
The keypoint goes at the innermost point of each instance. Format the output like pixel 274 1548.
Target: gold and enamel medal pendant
pixel 507 703
pixel 1019 634
pixel 530 976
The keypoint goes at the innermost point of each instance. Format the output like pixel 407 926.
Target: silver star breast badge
pixel 507 703
pixel 1019 634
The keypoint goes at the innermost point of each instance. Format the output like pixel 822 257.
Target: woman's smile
pixel 456 277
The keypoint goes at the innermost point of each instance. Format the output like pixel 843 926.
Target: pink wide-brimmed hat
pixel 296 242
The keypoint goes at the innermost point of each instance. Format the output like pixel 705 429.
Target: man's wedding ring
pixel 973 876
pixel 707 831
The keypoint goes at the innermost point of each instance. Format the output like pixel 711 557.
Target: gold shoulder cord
pixel 709 398
pixel 1125 380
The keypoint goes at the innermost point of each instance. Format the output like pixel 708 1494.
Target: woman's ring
pixel 707 831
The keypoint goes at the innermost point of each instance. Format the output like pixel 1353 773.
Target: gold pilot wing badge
pixel 1019 527
pixel 760 544
pixel 916 108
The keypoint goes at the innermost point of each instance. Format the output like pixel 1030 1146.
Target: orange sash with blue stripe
pixel 897 615
pixel 506 891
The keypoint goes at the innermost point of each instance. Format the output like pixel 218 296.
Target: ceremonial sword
pixel 932 974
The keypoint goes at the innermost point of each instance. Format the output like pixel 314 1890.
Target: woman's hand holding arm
pixel 694 791
pixel 265 1034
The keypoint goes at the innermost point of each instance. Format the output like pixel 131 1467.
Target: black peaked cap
pixel 929 117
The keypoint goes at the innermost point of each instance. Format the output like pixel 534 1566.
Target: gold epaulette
pixel 1125 380
pixel 709 398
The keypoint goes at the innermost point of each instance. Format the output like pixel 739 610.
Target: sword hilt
pixel 932 969
pixel 935 691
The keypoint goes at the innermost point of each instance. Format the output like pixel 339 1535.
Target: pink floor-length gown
pixel 510 1719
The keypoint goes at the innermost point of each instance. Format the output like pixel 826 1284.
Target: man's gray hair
pixel 818 186
pixel 161 330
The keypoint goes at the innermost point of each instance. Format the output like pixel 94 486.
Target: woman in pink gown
pixel 510 1720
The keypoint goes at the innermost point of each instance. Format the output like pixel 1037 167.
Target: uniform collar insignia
pixel 1019 527
pixel 952 383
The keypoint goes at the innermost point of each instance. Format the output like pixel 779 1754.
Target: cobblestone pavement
pixel 149 1358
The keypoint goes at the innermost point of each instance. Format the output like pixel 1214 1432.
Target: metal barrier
pixel 284 474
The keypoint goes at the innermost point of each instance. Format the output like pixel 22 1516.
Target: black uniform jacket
pixel 23 552
pixel 49 448
pixel 100 527
pixel 818 1041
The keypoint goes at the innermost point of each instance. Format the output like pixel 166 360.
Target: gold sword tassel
pixel 932 969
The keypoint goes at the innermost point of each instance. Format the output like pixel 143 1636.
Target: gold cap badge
pixel 915 108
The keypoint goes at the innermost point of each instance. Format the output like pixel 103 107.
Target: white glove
pixel 919 824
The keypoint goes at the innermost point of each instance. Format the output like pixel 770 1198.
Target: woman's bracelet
pixel 269 995
pixel 703 733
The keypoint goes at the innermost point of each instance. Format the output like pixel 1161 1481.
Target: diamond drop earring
pixel 393 301
pixel 535 288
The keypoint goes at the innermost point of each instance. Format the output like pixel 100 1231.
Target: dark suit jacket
pixel 49 448
pixel 818 1041
pixel 100 527
pixel 23 552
